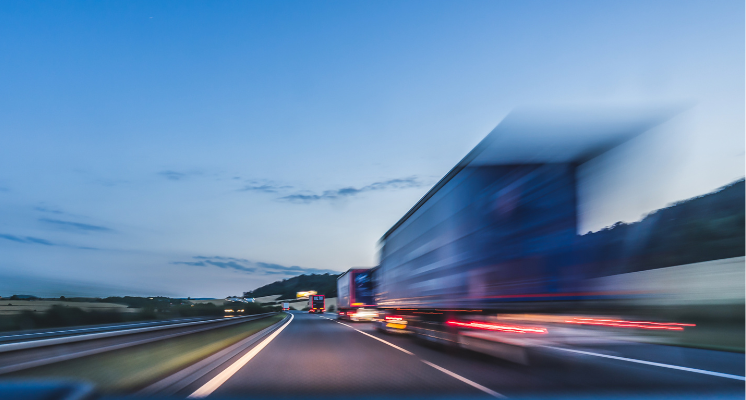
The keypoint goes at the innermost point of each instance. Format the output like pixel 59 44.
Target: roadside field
pixel 217 302
pixel 130 369
pixel 9 307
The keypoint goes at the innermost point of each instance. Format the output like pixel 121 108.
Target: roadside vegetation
pixel 78 311
pixel 133 368
pixel 703 228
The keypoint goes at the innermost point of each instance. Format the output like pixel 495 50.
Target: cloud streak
pixel 37 241
pixel 251 267
pixel 26 239
pixel 264 188
pixel 49 210
pixel 75 226
pixel 172 175
pixel 348 192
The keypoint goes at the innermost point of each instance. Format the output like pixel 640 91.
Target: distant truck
pixel 285 306
pixel 316 304
pixel 355 300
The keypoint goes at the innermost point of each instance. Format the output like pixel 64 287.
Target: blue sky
pixel 205 148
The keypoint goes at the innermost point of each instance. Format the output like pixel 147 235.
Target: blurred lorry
pixel 316 304
pixel 355 295
pixel 285 306
pixel 490 259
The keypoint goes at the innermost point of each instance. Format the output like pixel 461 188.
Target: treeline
pixel 129 301
pixel 145 302
pixel 703 228
pixel 325 284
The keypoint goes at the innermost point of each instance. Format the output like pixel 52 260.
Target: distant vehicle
pixel 285 306
pixel 316 304
pixel 305 294
pixel 359 314
pixel 355 295
pixel 239 299
pixel 392 323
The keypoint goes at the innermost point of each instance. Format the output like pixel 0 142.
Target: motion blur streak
pixel 218 380
pixel 630 324
pixel 497 327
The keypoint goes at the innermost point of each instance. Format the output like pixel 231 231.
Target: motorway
pixel 316 356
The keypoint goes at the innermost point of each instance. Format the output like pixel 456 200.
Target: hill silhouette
pixel 325 284
pixel 703 228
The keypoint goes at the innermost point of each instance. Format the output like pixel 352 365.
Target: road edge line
pixel 179 380
pixel 214 383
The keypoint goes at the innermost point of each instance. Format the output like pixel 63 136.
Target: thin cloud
pixel 252 267
pixel 265 188
pixel 110 182
pixel 347 192
pixel 37 241
pixel 76 226
pixel 172 175
pixel 262 186
pixel 49 210
pixel 26 239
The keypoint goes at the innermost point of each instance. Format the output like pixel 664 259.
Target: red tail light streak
pixel 497 327
pixel 670 326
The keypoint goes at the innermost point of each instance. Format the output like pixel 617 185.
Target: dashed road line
pixel 439 368
pixel 467 381
pixel 369 335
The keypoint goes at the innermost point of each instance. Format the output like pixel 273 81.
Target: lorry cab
pixel 316 304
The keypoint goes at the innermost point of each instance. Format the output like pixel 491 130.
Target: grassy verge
pixel 132 368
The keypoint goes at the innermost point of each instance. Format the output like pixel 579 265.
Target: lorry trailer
pixel 355 300
pixel 490 259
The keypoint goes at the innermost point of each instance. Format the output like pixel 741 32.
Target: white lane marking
pixel 441 369
pixel 698 371
pixel 220 378
pixel 367 334
pixel 468 382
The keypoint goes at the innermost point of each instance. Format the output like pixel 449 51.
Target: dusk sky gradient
pixel 203 149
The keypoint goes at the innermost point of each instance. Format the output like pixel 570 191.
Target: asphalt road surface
pixel 316 356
